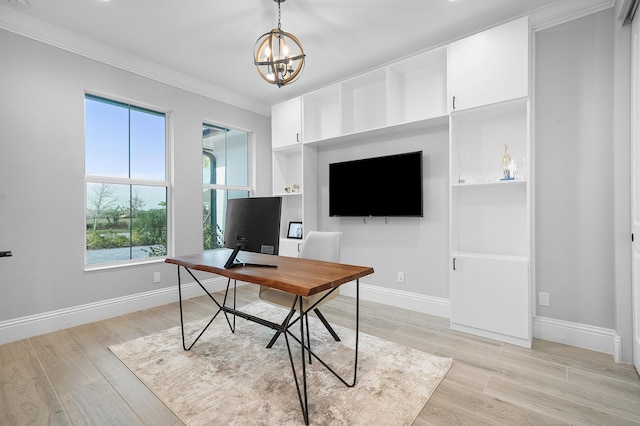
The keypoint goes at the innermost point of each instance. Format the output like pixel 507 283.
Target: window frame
pixel 166 183
pixel 250 166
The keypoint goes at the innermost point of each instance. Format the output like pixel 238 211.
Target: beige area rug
pixel 232 379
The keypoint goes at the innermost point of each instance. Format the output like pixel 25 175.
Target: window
pixel 126 182
pixel 225 175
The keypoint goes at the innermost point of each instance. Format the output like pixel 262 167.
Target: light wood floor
pixel 70 377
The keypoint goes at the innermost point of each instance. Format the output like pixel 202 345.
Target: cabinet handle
pixel 298 137
pixel 454 263
pixel 454 103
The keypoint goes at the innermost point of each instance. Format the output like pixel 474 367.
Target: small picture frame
pixel 295 230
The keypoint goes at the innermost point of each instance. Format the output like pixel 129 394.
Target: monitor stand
pixel 240 264
pixel 232 262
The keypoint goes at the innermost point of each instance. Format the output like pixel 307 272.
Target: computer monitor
pixel 254 223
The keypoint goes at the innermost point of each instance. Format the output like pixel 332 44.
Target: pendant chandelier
pixel 278 55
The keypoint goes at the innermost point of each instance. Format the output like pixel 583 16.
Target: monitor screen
pixel 379 186
pixel 254 223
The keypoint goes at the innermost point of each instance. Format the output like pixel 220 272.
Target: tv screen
pixel 380 186
pixel 254 223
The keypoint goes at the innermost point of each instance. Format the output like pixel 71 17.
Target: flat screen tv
pixel 254 223
pixel 380 186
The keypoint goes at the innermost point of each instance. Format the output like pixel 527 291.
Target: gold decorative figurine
pixel 506 163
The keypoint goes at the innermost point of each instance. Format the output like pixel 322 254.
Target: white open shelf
pixel 410 91
pixel 478 137
pixel 364 102
pixel 322 114
pixel 287 169
pixel 417 88
pixel 491 183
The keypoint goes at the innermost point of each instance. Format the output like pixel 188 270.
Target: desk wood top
pixel 303 277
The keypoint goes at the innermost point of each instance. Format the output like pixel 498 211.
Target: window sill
pixel 124 264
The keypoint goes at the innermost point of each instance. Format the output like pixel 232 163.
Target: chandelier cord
pixel 279 1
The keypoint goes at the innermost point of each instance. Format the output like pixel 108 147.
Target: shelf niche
pixel 287 169
pixel 406 92
pixel 418 88
pixel 478 137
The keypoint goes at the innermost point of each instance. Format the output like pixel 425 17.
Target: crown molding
pixel 52 35
pixel 625 9
pixel 565 11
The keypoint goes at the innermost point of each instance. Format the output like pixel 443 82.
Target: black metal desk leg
pixel 355 362
pixel 302 394
pixel 184 343
pixel 306 348
pixel 305 408
pixel 224 303
pixel 181 316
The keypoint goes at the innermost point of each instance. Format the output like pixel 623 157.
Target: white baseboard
pixel 580 335
pixel 517 341
pixel 401 299
pixel 34 325
pixel 565 332
pixel 574 334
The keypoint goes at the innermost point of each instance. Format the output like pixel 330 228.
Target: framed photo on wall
pixel 295 230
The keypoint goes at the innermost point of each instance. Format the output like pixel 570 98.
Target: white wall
pixel 42 168
pixel 575 174
pixel 418 247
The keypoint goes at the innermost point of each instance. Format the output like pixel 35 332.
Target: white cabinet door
pixel 286 123
pixel 491 294
pixel 491 66
pixel 289 247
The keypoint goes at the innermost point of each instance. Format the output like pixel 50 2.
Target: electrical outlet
pixel 400 277
pixel 156 277
pixel 543 298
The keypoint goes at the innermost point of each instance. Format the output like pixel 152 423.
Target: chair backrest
pixel 321 246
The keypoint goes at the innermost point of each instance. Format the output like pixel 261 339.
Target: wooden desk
pixel 303 277
pixel 300 277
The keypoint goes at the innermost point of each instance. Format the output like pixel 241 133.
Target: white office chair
pixel 320 246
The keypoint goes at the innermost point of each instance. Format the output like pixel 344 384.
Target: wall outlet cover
pixel 543 298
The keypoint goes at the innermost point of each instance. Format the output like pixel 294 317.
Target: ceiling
pixel 207 46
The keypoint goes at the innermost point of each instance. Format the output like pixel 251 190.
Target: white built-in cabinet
pixel 406 95
pixel 287 130
pixel 491 66
pixel 290 177
pixel 490 243
pixel 490 240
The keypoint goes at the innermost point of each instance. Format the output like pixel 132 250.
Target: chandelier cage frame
pixel 278 55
